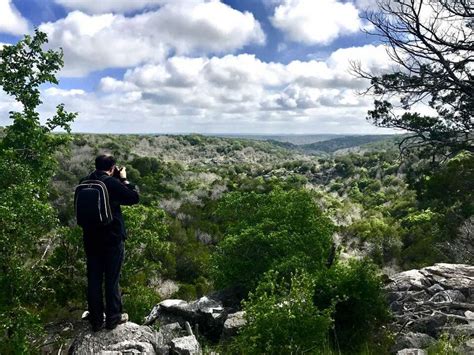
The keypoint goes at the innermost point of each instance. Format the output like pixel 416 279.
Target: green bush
pixel 282 319
pixel 279 230
pixel 138 301
pixel 146 255
pixel 355 290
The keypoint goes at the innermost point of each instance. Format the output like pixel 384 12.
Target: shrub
pixel 281 317
pixel 355 290
pixel 277 230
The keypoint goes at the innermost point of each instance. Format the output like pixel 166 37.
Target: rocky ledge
pixel 178 322
pixel 430 302
pixel 426 304
pixel 131 338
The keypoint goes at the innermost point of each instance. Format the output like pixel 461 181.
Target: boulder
pixel 233 323
pixel 205 313
pixel 429 302
pixel 187 345
pixel 412 340
pixel 412 352
pixel 127 338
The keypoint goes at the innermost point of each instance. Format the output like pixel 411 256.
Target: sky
pixel 204 66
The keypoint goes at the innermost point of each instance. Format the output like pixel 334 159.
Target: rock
pixel 432 290
pixel 463 330
pixel 206 313
pixel 187 345
pixel 467 348
pixel 470 317
pixel 127 338
pixel 431 299
pixel 426 303
pixel 412 340
pixel 448 296
pixel 412 352
pixel 233 323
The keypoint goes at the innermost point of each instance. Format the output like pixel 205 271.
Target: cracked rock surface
pixel 429 302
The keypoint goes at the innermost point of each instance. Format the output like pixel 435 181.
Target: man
pixel 104 246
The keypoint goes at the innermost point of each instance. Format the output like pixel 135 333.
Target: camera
pixel 116 173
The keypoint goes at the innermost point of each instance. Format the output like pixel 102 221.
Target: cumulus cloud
pixel 11 21
pixel 94 42
pixel 235 91
pixel 316 22
pixel 105 6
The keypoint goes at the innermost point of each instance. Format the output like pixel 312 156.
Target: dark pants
pixel 104 262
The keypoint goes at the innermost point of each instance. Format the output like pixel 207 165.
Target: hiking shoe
pixel 112 325
pixel 97 326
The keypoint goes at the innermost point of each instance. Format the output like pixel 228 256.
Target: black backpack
pixel 91 203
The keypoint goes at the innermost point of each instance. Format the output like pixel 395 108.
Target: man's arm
pixel 125 192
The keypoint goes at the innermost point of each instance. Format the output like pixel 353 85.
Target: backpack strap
pixel 104 177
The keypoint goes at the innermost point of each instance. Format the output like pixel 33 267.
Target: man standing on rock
pixel 104 238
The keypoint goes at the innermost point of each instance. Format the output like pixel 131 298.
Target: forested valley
pixel 221 213
pixel 303 235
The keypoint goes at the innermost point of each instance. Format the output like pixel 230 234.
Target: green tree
pixel 354 291
pixel 282 318
pixel 27 164
pixel 146 258
pixel 279 230
pixel 431 42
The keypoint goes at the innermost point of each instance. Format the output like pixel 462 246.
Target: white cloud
pixel 7 104
pixel 94 42
pixel 105 6
pixel 53 91
pixel 11 20
pixel 235 92
pixel 316 21
pixel 366 4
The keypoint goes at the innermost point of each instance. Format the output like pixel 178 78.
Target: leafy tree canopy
pixel 432 43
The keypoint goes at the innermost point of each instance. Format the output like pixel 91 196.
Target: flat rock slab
pixel 206 313
pixel 429 302
pixel 128 338
pixel 233 323
pixel 412 352
pixel 187 345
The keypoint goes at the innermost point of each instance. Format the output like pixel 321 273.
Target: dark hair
pixel 104 162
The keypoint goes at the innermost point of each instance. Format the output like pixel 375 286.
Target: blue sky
pixel 206 66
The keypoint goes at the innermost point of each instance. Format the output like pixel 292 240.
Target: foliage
pixel 278 230
pixel 23 68
pixel 26 167
pixel 147 252
pixel 281 317
pixel 355 291
pixel 431 43
pixel 384 235
pixel 447 345
pixel 67 259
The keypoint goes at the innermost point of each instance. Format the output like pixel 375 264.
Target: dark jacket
pixel 119 194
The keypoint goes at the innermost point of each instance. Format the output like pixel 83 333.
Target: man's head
pixel 105 163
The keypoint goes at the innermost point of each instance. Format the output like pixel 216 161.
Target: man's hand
pixel 123 173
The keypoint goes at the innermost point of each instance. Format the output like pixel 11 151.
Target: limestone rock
pixel 412 352
pixel 412 340
pixel 233 323
pixel 432 299
pixel 187 345
pixel 206 313
pixel 127 338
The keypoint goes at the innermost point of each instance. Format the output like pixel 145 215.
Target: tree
pixel 279 230
pixel 432 43
pixel 24 67
pixel 282 318
pixel 27 220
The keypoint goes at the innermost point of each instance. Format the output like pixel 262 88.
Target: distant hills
pixel 344 143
